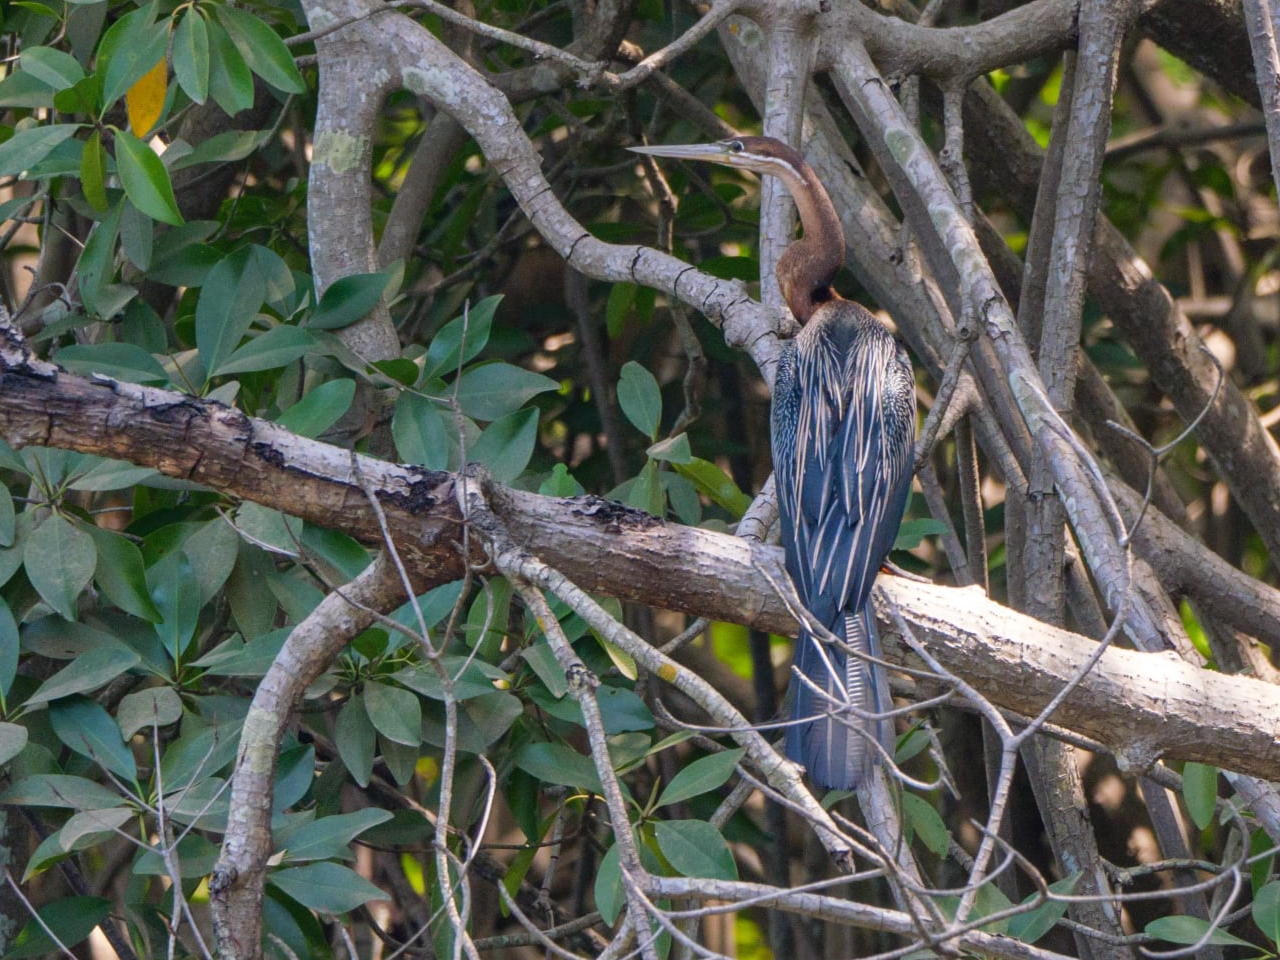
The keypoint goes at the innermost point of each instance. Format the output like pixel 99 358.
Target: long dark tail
pixel 835 754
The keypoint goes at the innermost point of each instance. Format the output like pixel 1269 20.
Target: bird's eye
pixel 735 146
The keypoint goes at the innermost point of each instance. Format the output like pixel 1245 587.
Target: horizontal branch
pixel 1161 705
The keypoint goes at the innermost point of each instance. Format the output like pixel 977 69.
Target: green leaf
pixel 320 409
pixel 120 574
pixel 702 776
pixel 130 48
pixel 212 552
pixel 59 790
pixel 621 298
pixel 443 353
pixel 497 389
pixel 673 449
pixel 646 491
pixel 28 147
pixel 145 180
pixel 1200 791
pixel 262 49
pixel 1031 926
pixel 97 261
pixel 110 475
pixel 418 428
pixel 53 67
pixel 191 55
pixel 610 895
pixel 695 848
pixel 13 737
pixel 148 708
pixel 913 531
pixel 507 444
pixel 927 824
pixel 88 729
pixel 70 918
pixel 8 648
pixel 230 82
pixel 94 668
pixel 1266 911
pixel 640 398
pixel 176 594
pixel 328 837
pixel 557 763
pixel 347 300
pixel 716 484
pixel 395 713
pixel 59 559
pixel 120 361
pixel 561 483
pixel 273 349
pixel 92 826
pixel 327 887
pixel 93 172
pixel 232 294
pixel 1189 930
pixel 8 518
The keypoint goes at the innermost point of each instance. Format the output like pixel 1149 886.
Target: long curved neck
pixel 807 267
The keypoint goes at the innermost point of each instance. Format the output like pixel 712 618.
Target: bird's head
pixel 757 154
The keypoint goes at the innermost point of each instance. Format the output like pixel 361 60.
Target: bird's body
pixel 843 433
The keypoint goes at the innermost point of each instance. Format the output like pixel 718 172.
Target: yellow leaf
pixel 145 99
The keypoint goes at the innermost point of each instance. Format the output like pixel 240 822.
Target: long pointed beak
pixel 714 152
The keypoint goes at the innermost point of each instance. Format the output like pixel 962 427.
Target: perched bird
pixel 843 431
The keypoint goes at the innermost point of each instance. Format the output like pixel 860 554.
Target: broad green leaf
pixel 60 790
pixel 235 657
pixel 347 300
pixel 8 518
pixel 673 449
pixel 137 240
pixel 622 710
pixel 13 737
pixel 1200 791
pixel 97 263
pixel 695 848
pixel 1031 926
pixel 93 172
pixel 320 409
pixel 92 823
pixel 622 296
pixel 927 824
pixel 59 558
pixel 145 100
pixel 145 180
pixel 418 428
pixel 443 353
pixel 557 763
pixel 395 713
pixel 1266 911
pixel 88 729
pixel 199 754
pixel 270 527
pixel 51 66
pixel 230 82
pixel 120 361
pixel 561 484
pixel 176 594
pixel 28 147
pixel 94 668
pixel 275 348
pixel 232 294
pixel 8 648
pixel 148 708
pixel 226 146
pixel 296 774
pixel 70 918
pixel 327 887
pixel 507 444
pixel 262 49
pixel 472 677
pixel 129 48
pixel 356 739
pixel 111 475
pixel 212 552
pixel 716 484
pixel 913 531
pixel 120 574
pixel 702 776
pixel 640 398
pixel 21 89
pixel 1189 930
pixel 191 55
pixel 610 895
pixel 196 858
pixel 328 837
pixel 497 389
pixel 646 491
